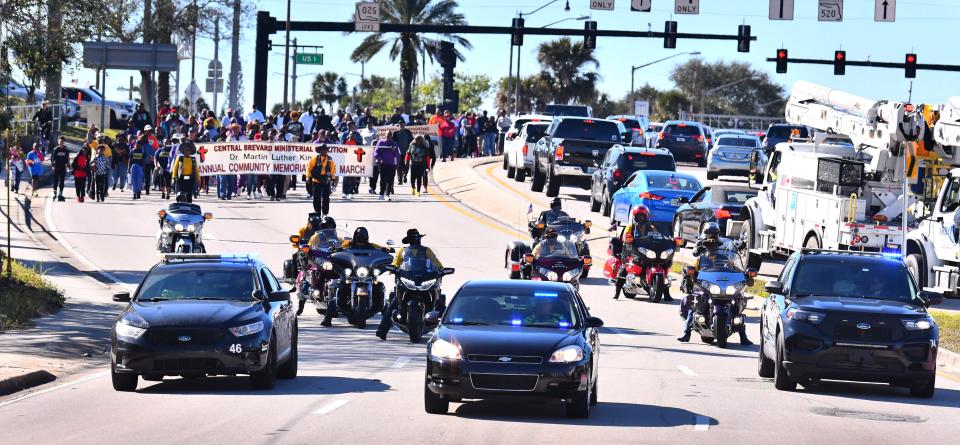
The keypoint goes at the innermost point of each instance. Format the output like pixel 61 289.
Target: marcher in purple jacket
pixel 387 155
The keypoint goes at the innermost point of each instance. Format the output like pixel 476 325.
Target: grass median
pixel 949 323
pixel 25 295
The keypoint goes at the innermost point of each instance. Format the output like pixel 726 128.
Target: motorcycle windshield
pixel 655 241
pixel 185 219
pixel 362 257
pixel 555 248
pixel 721 260
pixel 572 231
pixel 325 240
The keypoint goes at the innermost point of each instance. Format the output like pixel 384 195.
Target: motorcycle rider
pixel 548 245
pixel 360 240
pixel 328 223
pixel 636 230
pixel 707 246
pixel 315 240
pixel 547 217
pixel 415 249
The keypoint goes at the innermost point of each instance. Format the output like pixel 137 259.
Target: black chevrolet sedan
pixel 515 340
pixel 198 315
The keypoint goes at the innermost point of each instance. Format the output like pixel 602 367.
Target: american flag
pixel 530 209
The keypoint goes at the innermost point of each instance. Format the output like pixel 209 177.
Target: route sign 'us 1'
pixel 781 9
pixel 367 17
pixel 830 11
pixel 640 5
pixel 884 10
pixel 687 7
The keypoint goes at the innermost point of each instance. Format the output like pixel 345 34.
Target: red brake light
pixel 558 155
pixel 587 121
pixel 617 174
pixel 722 213
pixel 681 125
pixel 647 153
pixel 629 157
pixel 534 120
pixel 651 196
pixel 622 119
pixel 525 149
pixel 699 138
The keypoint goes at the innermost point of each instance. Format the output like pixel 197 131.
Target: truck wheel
pixel 702 162
pixel 511 172
pixel 537 183
pixel 521 174
pixel 913 262
pixel 553 185
pixel 606 204
pixel 754 261
pixel 781 380
pixel 594 204
pixel 506 164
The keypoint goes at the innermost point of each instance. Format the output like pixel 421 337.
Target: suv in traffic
pixel 619 163
pixel 568 110
pixel 687 140
pixel 848 316
pixel 571 151
pixel 778 133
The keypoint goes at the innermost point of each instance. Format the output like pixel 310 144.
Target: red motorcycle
pixel 647 265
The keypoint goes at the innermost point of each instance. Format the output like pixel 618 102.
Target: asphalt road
pixel 354 388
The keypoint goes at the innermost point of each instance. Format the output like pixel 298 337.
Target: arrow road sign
pixel 830 11
pixel 640 5
pixel 687 7
pixel 884 10
pixel 781 9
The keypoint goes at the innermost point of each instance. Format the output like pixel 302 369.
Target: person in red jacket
pixel 81 167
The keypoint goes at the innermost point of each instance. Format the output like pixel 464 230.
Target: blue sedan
pixel 660 191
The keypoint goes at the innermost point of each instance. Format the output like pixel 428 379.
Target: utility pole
pixel 293 87
pixel 6 146
pixel 286 59
pixel 193 54
pixel 235 58
pixel 216 63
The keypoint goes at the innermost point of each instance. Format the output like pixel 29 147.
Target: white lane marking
pixel 401 362
pixel 326 409
pixel 211 236
pixel 702 423
pixel 621 333
pixel 51 389
pixel 686 371
pixel 48 216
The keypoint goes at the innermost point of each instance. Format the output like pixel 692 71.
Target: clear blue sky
pixel 926 27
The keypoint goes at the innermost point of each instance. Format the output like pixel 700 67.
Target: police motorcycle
pixel 715 293
pixel 417 292
pixel 647 265
pixel 357 291
pixel 568 229
pixel 311 272
pixel 181 228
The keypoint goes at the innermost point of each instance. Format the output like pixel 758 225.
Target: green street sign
pixel 310 59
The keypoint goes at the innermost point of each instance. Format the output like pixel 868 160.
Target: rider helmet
pixel 360 236
pixel 641 214
pixel 328 223
pixel 314 220
pixel 711 232
pixel 550 233
pixel 555 204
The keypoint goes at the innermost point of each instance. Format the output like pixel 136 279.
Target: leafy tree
pixel 410 47
pixel 474 90
pixel 669 103
pixel 326 88
pixel 535 93
pixel 754 94
pixel 566 67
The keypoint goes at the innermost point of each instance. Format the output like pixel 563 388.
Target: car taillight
pixel 698 138
pixel 617 174
pixel 651 196
pixel 646 153
pixel 558 155
pixel 722 213
pixel 660 135
pixel 525 149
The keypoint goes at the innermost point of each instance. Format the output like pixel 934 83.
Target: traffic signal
pixel 910 66
pixel 743 39
pixel 839 63
pixel 517 37
pixel 781 61
pixel 590 35
pixel 670 39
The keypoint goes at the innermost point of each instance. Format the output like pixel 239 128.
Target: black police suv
pixel 198 315
pixel 514 340
pixel 848 316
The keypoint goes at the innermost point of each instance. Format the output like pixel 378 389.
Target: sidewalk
pixel 76 337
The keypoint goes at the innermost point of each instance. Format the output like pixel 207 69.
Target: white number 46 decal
pixel 236 348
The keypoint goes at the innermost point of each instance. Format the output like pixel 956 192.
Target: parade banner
pixel 426 130
pixel 279 158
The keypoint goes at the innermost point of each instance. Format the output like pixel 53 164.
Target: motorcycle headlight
pixel 650 254
pixel 571 275
pixel 714 289
pixel 427 284
pixel 167 229
pixel 347 271
pixel 408 282
pixel 327 265
pixel 552 276
pixel 561 238
pixel 916 325
pixel 666 254
pixel 568 354
pixel 178 227
pixel 191 228
pixel 363 272
pixel 574 238
pixel 247 329
pixel 377 272
pixel 730 290
pixel 444 350
pixel 128 331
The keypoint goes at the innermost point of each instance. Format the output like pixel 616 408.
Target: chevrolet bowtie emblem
pixel 505 359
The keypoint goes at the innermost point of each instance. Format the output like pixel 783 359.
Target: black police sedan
pixel 848 316
pixel 515 340
pixel 198 315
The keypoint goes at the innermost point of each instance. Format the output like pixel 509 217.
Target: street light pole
pixel 633 69
pixel 286 58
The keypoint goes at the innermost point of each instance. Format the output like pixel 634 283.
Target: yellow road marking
pixel 469 214
pixel 489 173
pixel 949 376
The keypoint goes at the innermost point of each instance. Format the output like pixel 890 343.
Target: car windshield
pixel 535 132
pixel 512 307
pixel 737 142
pixel 720 260
pixel 737 197
pixel 555 248
pixel 682 130
pixel 784 131
pixel 631 162
pixel 232 284
pixel 588 129
pixel 672 182
pixel 879 280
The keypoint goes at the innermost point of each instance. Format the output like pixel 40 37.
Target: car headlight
pixel 567 354
pixel 444 350
pixel 128 331
pixel 916 325
pixel 730 290
pixel 191 228
pixel 247 329
pixel 803 315
pixel 666 254
pixel 327 265
pixel 571 275
pixel 363 272
pixel 178 227
pixel 714 289
pixel 347 272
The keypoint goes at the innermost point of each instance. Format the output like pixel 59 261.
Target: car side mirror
pixel 432 317
pixel 930 298
pixel 258 295
pixel 594 322
pixel 122 297
pixel 279 296
pixel 774 287
pixel 448 270
pixel 683 200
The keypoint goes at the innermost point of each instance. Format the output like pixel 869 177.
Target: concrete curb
pixel 28 380
pixel 948 361
pixel 442 182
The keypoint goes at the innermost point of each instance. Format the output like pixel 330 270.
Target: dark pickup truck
pixel 571 150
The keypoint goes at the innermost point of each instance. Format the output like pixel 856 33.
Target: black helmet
pixel 328 223
pixel 314 220
pixel 711 232
pixel 555 204
pixel 550 233
pixel 361 236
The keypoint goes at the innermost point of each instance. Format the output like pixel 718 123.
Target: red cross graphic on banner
pixel 203 153
pixel 359 152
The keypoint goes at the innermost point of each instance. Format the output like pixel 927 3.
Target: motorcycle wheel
pixel 415 323
pixel 360 320
pixel 629 295
pixel 721 329
pixel 656 289
pixel 586 271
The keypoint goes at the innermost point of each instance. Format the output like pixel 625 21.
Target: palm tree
pixel 408 45
pixel 326 89
pixel 564 65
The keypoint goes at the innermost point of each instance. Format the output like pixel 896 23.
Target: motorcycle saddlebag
pixel 289 270
pixel 611 268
